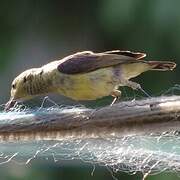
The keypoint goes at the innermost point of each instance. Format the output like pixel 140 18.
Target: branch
pixel 153 115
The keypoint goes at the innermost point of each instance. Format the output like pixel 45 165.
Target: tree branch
pixel 153 115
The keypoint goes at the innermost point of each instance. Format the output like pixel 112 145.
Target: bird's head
pixel 21 88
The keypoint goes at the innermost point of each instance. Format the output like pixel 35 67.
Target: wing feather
pixel 136 55
pixel 86 61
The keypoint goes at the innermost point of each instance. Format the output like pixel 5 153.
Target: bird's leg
pixel 134 85
pixel 116 94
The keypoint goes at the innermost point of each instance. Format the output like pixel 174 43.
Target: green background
pixel 33 33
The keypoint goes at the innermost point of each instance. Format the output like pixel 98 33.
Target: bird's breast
pixel 87 86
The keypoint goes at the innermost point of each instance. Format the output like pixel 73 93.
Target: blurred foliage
pixel 34 32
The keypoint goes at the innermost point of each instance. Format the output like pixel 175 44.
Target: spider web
pixel 149 153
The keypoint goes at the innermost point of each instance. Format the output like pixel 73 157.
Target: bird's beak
pixel 10 104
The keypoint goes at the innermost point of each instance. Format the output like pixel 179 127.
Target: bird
pixel 85 75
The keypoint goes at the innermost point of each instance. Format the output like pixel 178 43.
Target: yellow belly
pixel 88 86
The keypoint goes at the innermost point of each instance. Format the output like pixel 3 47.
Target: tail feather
pixel 162 65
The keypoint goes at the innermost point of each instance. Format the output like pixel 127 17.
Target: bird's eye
pixel 13 86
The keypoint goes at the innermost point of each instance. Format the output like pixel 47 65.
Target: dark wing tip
pixel 136 55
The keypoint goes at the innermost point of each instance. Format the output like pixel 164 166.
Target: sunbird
pixel 84 76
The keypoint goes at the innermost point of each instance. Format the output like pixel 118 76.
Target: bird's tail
pixel 162 65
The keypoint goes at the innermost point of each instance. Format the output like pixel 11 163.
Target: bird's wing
pixel 87 61
pixel 136 55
